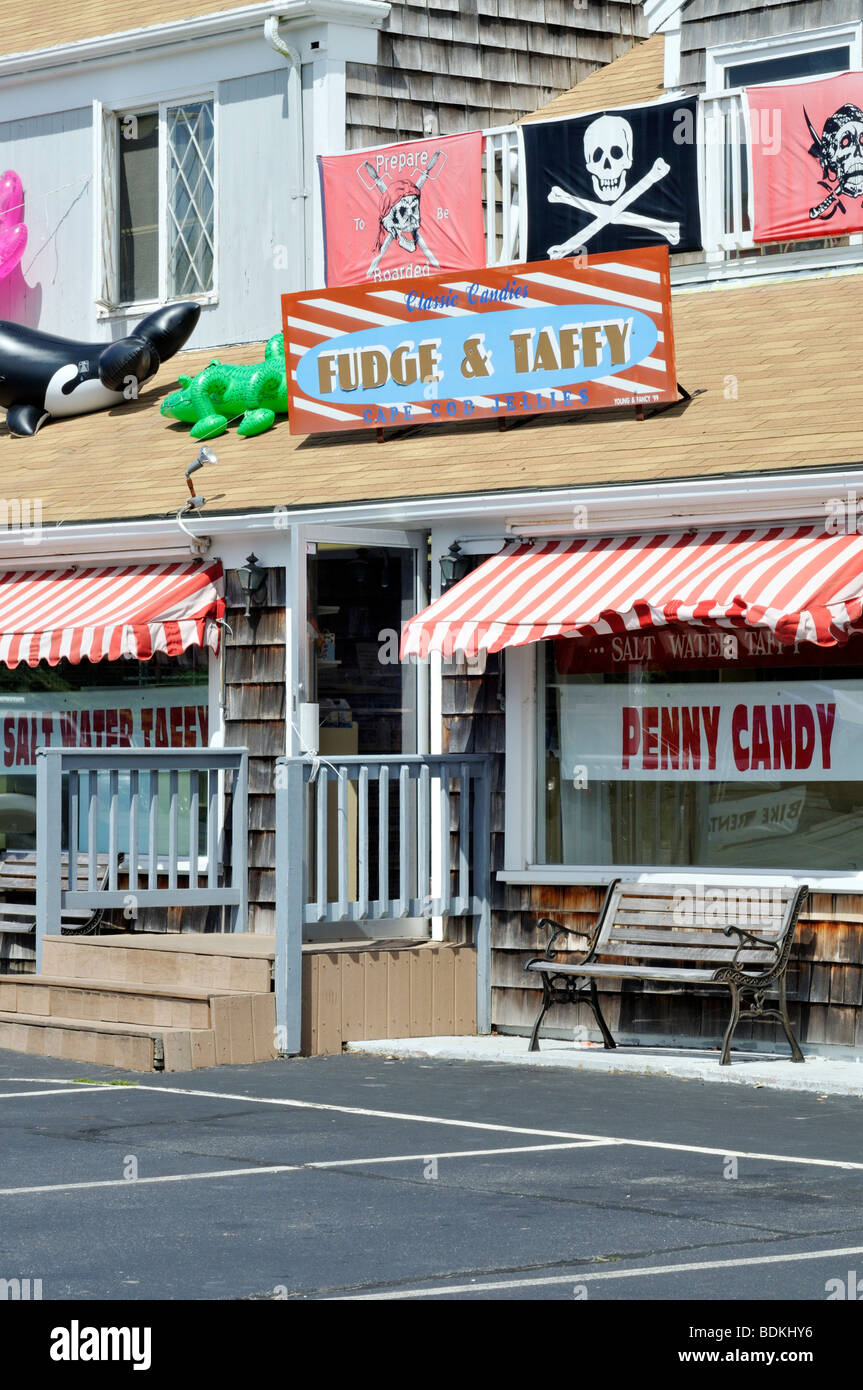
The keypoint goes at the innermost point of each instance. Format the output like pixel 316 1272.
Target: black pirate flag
pixel 806 144
pixel 613 181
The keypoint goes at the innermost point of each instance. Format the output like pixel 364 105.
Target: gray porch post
pixel 482 888
pixel 49 823
pixel 290 903
pixel 240 844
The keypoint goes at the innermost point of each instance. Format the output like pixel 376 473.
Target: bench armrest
pixel 558 929
pixel 753 939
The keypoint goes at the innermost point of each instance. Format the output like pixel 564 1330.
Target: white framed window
pixel 158 203
pixel 784 58
pixel 572 821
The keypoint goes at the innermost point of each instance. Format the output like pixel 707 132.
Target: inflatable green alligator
pixel 219 393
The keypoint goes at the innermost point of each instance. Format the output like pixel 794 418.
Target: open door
pixel 361 587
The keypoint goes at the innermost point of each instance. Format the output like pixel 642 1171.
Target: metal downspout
pixel 295 116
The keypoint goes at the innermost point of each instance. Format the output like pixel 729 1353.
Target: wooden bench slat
pixel 73 916
pixel 666 891
pixel 638 972
pixel 708 915
pixel 18 877
pixel 681 936
pixel 749 920
pixel 640 951
pixel 29 910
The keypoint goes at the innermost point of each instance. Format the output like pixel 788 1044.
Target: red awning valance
pixel 103 612
pixel 800 582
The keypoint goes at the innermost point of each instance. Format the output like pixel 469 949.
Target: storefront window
pixel 162 703
pixel 689 747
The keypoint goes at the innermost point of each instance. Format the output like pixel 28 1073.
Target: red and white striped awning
pixel 103 612
pixel 799 582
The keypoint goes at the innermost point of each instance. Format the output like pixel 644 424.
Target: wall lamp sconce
pixel 206 456
pixel 453 566
pixel 194 503
pixel 253 581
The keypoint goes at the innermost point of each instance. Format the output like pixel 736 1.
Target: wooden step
pixel 146 1000
pixel 240 962
pixel 243 1023
pixel 238 1028
pixel 106 1001
pixel 132 1047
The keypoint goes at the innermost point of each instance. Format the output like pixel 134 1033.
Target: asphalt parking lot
pixel 355 1177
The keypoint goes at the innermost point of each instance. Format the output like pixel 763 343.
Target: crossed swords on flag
pixel 606 213
pixel 414 232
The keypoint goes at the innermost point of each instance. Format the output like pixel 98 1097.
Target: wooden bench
pixel 18 893
pixel 739 939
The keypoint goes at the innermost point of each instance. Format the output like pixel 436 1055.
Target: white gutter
pixel 224 24
pixel 295 123
pixel 768 497
pixel 659 12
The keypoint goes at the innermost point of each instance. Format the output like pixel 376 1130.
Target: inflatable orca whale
pixel 44 377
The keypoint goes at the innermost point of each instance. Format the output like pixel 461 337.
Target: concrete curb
pixel 818 1074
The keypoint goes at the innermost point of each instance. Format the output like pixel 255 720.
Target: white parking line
pixel 508 1129
pixel 285 1168
pixel 580 1277
pixel 60 1091
pixel 446 1121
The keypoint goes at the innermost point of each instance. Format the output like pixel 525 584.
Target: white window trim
pixel 520 808
pixel 779 46
pixel 159 102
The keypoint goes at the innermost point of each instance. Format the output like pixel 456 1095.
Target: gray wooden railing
pixel 123 822
pixel 383 863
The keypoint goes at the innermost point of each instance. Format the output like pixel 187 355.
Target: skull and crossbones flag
pixel 403 210
pixel 613 181
pixel 806 143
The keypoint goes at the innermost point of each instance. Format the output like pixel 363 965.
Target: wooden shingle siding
pixel 446 66
pixel 474 722
pixel 635 78
pixel 255 719
pixel 706 23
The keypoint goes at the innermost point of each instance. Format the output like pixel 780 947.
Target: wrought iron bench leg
pixel 547 1001
pixel 796 1054
pixel 607 1039
pixel 725 1060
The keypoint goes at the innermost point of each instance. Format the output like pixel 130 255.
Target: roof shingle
pixel 768 358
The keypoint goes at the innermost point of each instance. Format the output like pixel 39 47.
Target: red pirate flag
pixel 403 210
pixel 806 141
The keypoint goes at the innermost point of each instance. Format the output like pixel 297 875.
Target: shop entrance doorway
pixel 363 699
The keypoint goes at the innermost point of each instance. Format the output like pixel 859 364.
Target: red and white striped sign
pixel 588 333
pixel 109 611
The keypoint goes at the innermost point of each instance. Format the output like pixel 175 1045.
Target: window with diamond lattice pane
pixel 191 198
